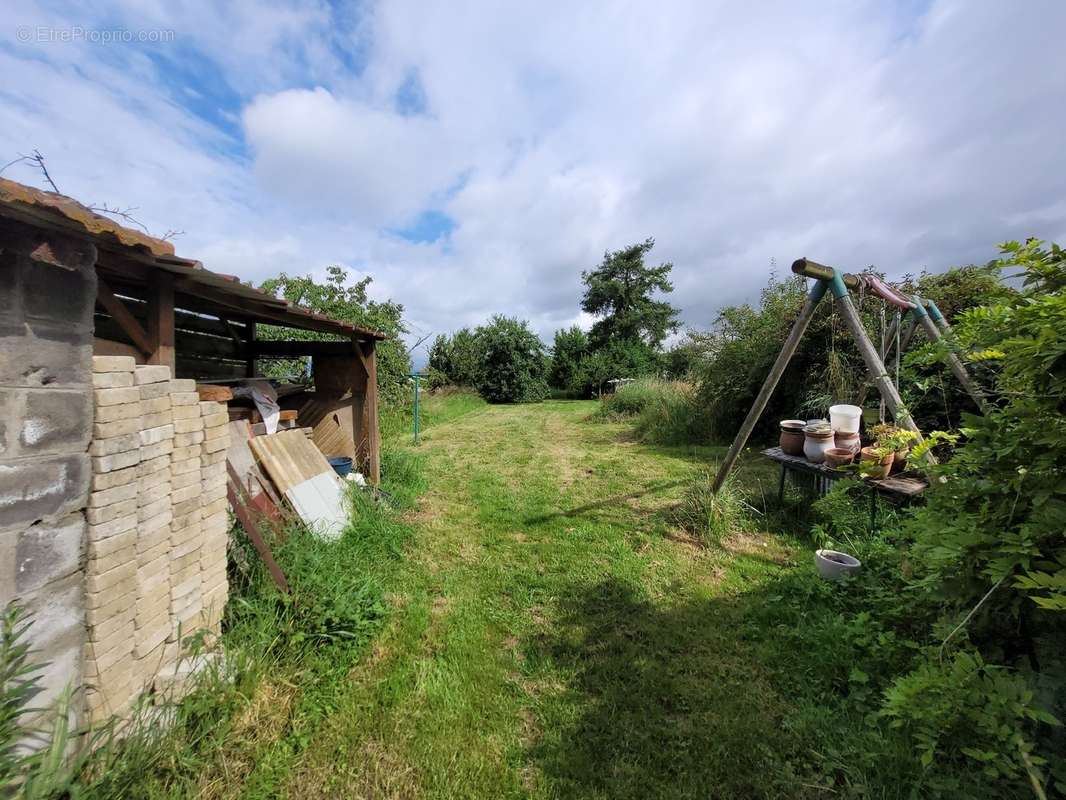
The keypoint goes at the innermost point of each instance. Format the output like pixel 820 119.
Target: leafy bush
pixel 618 359
pixel 568 351
pixel 972 718
pixel 999 517
pixel 513 365
pixel 456 357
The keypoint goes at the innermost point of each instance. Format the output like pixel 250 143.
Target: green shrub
pixel 617 359
pixel 513 365
pixel 456 357
pixel 973 719
pixel 570 348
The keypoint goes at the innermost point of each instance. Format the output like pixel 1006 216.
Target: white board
pixel 320 502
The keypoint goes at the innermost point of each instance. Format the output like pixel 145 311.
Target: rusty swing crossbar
pixel 840 285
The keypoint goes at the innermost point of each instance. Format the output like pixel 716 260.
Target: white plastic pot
pixel 844 418
pixel 833 565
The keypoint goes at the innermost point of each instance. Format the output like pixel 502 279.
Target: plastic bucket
pixel 845 419
pixel 342 465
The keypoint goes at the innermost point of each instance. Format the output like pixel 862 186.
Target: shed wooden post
pixel 372 433
pixel 776 371
pixel 161 319
pixel 250 362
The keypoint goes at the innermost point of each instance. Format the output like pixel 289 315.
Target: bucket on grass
pixel 342 465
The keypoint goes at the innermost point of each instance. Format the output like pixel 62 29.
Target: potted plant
pixel 876 462
pixel 898 440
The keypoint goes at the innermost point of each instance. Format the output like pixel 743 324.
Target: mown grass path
pixel 553 634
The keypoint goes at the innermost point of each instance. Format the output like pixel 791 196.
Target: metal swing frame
pixel 840 285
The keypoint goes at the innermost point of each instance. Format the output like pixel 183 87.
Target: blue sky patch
pixel 429 226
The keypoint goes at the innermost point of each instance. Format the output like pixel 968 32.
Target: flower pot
pixel 848 441
pixel 791 439
pixel 899 460
pixel 874 466
pixel 845 418
pixel 833 565
pixel 816 440
pixel 838 457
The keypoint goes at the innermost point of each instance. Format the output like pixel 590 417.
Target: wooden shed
pixel 160 308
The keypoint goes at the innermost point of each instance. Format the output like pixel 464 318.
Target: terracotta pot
pixel 873 466
pixel 899 460
pixel 838 457
pixel 791 439
pixel 848 441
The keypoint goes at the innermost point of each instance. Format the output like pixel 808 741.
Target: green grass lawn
pixel 551 633
pixel 535 625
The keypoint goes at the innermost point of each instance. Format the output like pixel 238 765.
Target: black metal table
pixel 902 487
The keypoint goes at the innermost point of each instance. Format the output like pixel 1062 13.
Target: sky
pixel 475 157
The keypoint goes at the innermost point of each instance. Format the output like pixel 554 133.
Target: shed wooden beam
pixel 118 311
pixel 256 310
pixel 265 349
pixel 161 320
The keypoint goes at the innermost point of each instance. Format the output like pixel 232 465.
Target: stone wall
pixel 47 292
pixel 156 567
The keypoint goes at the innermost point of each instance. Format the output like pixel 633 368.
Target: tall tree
pixel 620 292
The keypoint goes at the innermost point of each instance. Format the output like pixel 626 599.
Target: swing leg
pixel 876 368
pixel 956 365
pixel 907 334
pixel 891 339
pixel 787 351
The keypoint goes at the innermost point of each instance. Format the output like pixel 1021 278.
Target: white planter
pixel 833 565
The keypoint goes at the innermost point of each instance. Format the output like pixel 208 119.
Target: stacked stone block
pixel 157 528
pixel 186 530
pixel 154 515
pixel 111 537
pixel 215 521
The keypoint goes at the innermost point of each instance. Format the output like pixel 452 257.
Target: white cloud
pixel 899 135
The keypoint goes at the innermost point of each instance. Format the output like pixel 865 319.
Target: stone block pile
pixel 157 527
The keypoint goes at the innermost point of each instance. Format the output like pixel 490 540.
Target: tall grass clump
pixel 713 517
pixel 665 412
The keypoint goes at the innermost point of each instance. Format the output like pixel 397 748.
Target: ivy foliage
pixel 348 301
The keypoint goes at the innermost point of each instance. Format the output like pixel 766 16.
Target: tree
pixel 513 366
pixel 346 302
pixel 620 293
pixel 456 357
pixel 618 359
pixel 569 350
